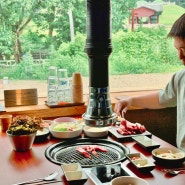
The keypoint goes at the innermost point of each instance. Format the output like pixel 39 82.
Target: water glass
pixel 52 71
pixel 60 95
pixel 52 80
pixel 62 78
pixel 62 73
pixel 52 95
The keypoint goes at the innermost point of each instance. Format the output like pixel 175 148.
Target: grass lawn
pixel 170 14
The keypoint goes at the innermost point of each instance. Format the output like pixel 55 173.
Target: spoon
pixel 175 172
pixel 50 177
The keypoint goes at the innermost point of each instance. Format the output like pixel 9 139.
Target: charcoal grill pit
pixel 65 152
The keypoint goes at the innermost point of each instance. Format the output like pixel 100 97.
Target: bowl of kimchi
pixel 65 129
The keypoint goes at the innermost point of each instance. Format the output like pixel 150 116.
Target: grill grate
pixel 65 152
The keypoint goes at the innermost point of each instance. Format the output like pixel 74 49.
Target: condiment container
pixel 140 162
pixel 74 173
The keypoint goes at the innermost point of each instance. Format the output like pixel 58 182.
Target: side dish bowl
pixel 168 155
pixel 127 180
pixel 95 131
pixel 42 134
pixel 64 119
pixel 140 162
pixel 76 177
pixel 65 130
pixel 74 173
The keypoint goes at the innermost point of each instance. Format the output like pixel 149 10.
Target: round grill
pixel 65 152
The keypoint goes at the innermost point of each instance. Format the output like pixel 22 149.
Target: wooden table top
pixel 22 166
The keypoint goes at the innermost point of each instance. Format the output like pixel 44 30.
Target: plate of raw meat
pixel 126 130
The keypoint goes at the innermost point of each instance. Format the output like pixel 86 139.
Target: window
pixel 47 41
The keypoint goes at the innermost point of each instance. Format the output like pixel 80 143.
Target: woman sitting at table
pixel 173 95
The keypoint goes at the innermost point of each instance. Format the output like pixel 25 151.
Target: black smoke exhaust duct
pixel 98 48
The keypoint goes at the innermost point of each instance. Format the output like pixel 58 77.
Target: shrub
pixel 143 51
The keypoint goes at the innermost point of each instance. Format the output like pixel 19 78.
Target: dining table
pixel 16 166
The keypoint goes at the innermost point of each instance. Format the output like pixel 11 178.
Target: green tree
pixel 5 43
pixel 62 18
pixel 15 16
pixel 50 22
pixel 121 11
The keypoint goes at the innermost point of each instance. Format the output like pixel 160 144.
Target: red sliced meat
pixel 142 128
pixel 128 128
pixel 138 125
pixel 95 153
pixel 90 148
pixel 87 149
pixel 83 152
pixel 100 148
pixel 122 131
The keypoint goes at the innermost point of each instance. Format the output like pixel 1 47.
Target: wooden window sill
pixel 45 112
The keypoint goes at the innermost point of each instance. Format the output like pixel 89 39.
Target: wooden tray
pixel 64 105
pixel 119 137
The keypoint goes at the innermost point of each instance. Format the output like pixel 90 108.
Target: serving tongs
pixel 119 119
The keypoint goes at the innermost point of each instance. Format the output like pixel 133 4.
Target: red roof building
pixel 146 14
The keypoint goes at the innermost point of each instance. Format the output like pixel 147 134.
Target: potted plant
pixel 22 131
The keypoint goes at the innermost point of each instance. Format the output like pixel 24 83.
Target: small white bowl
pixel 65 130
pixel 96 131
pixel 65 119
pixel 127 180
pixel 47 123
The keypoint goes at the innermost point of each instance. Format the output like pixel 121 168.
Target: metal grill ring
pixel 65 152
